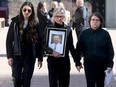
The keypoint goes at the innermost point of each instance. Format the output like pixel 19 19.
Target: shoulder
pixel 86 30
pixel 50 24
pixel 15 19
pixel 67 26
pixel 104 31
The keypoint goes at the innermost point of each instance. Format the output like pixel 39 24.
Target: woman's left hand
pixel 109 69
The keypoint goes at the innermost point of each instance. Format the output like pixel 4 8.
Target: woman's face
pixel 59 18
pixel 95 22
pixel 26 11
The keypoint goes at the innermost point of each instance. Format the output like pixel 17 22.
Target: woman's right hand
pixel 56 54
pixel 10 61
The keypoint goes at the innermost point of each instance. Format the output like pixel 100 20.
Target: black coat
pixel 13 43
pixel 43 19
pixel 81 16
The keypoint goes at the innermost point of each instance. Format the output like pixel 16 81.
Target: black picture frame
pixel 57 32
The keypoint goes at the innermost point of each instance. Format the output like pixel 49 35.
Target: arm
pixel 110 53
pixel 75 55
pixel 9 41
pixel 39 54
pixel 9 45
pixel 79 49
pixel 71 46
pixel 38 47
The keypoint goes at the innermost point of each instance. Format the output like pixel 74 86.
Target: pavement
pixel 40 76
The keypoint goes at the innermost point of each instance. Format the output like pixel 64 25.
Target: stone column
pixel 110 14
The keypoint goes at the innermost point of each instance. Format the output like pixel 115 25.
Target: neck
pixel 26 19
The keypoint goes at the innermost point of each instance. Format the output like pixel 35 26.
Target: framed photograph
pixel 56 39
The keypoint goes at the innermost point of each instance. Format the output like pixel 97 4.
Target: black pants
pixel 94 72
pixel 23 68
pixel 59 72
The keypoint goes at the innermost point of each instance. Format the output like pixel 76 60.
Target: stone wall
pixel 14 6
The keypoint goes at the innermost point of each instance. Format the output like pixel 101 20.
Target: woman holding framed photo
pixel 58 64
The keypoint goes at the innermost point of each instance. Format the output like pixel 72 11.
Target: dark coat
pixel 95 45
pixel 81 16
pixel 43 19
pixel 13 43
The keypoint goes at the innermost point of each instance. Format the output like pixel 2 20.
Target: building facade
pixel 110 13
pixel 105 7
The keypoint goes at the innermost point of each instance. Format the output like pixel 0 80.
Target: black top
pixel 81 16
pixel 95 44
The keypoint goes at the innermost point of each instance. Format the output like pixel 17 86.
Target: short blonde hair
pixel 56 10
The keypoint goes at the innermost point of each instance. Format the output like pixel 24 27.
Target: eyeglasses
pixel 59 16
pixel 29 11
pixel 95 20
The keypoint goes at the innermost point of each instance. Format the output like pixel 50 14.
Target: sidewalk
pixel 40 78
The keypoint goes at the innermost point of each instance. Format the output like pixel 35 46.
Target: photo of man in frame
pixel 57 43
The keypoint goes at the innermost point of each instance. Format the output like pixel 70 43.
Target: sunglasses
pixel 59 16
pixel 29 11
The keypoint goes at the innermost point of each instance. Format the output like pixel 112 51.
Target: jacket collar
pixel 15 19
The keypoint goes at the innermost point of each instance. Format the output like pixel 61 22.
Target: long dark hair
pixel 31 21
pixel 97 14
pixel 32 16
pixel 40 5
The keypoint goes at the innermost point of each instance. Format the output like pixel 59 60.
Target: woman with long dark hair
pixel 22 45
pixel 42 15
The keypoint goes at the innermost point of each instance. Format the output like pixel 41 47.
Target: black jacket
pixel 81 16
pixel 43 19
pixel 13 41
pixel 69 41
pixel 95 45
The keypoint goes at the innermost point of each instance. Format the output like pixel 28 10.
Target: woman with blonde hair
pixel 58 65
